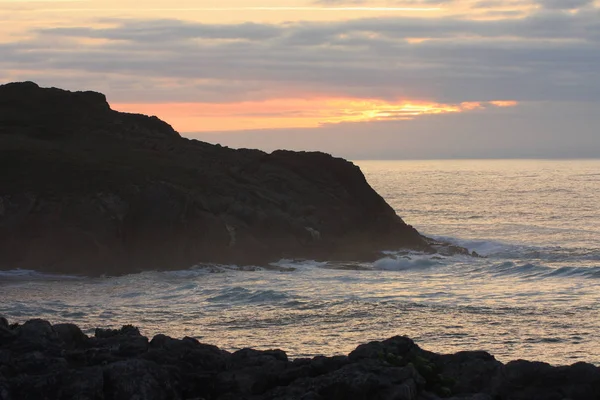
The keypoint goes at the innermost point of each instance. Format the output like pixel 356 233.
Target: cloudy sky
pixel 357 78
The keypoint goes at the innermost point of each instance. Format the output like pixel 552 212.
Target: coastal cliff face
pixel 86 189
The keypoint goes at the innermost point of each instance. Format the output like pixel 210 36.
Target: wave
pixel 501 259
pixel 298 264
pixel 499 249
pixel 31 275
pixel 482 247
pixel 239 294
pixel 530 270
pixel 204 269
pixel 511 268
pixel 404 263
pixel 588 272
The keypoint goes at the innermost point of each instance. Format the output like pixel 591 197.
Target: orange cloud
pixel 503 103
pixel 294 113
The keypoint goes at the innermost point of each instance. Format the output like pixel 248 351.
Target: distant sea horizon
pixel 479 159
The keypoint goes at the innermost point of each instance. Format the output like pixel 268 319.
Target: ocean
pixel 535 295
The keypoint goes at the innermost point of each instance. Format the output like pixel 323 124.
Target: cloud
pixel 547 61
pixel 143 31
pixel 564 4
pixel 399 3
pixel 503 4
pixel 536 130
pixel 549 55
pixel 295 113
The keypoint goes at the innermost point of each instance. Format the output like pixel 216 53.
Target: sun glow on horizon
pixel 503 103
pixel 257 9
pixel 296 113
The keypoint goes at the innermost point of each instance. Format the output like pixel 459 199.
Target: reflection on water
pixel 315 310
pixel 535 202
pixel 536 296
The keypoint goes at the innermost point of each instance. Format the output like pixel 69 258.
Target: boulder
pixel 36 335
pixel 6 334
pixel 470 371
pixel 139 379
pixel 70 335
pixel 83 384
pixel 526 380
pixel 120 343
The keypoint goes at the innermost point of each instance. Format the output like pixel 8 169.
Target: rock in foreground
pixel 86 189
pixel 42 361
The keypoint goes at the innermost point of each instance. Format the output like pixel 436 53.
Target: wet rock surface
pixel 43 361
pixel 88 190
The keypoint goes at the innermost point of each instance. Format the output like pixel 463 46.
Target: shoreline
pixel 43 361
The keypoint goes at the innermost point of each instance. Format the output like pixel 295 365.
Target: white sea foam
pixel 31 275
pixel 242 295
pixel 481 246
pixel 403 263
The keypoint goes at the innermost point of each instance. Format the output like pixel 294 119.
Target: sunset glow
pixel 217 9
pixel 503 103
pixel 306 70
pixel 295 113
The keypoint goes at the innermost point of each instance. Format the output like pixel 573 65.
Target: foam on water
pixel 483 247
pixel 32 275
pixel 242 295
pixel 403 263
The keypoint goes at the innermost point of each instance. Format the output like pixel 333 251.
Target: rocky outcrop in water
pixel 86 189
pixel 42 361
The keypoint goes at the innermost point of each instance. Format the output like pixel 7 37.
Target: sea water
pixel 535 296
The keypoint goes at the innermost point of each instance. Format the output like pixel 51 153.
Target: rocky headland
pixel 89 190
pixel 40 361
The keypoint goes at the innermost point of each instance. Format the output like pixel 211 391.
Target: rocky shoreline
pixel 43 361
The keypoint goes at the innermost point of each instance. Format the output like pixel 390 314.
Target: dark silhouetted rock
pixel 97 368
pixel 36 335
pixel 86 189
pixel 83 384
pixel 6 334
pixel 127 330
pixel 70 335
pixel 470 372
pixel 130 379
pixel 534 380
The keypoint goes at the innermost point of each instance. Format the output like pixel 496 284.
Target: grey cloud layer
pixel 551 55
pixel 565 4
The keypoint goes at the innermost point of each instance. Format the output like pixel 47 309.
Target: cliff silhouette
pixel 86 189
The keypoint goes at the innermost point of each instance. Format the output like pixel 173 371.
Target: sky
pixel 362 79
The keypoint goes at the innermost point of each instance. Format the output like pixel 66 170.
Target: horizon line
pixel 503 158
pixel 217 9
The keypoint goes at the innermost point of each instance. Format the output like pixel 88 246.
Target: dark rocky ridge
pixel 40 361
pixel 86 189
